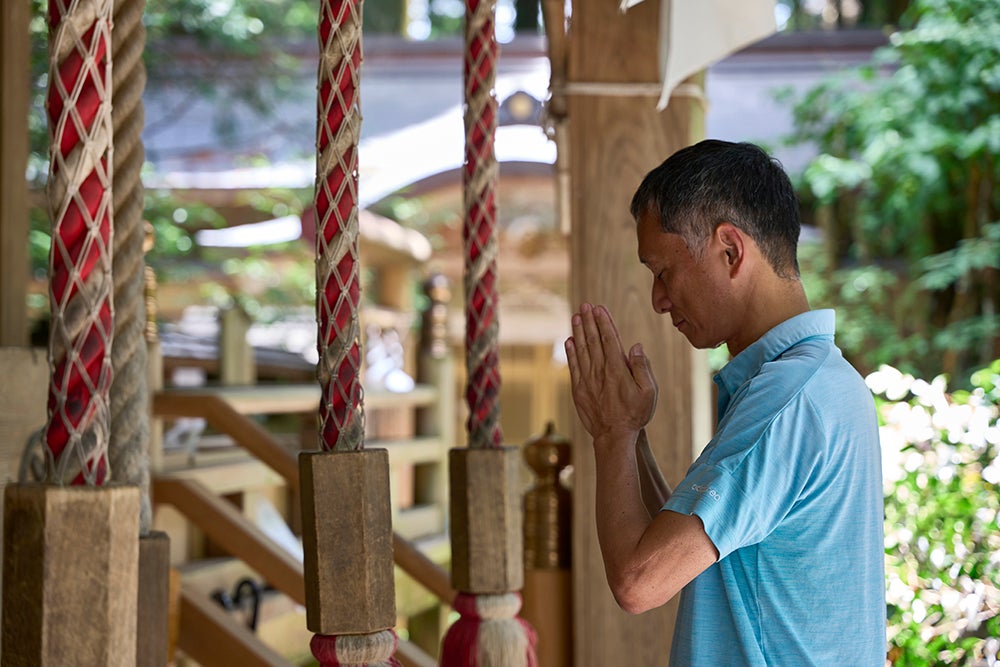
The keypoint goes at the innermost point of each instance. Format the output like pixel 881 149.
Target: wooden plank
pixel 63 604
pixel 223 523
pixel 14 99
pixel 278 399
pixel 211 637
pixel 614 142
pixel 256 400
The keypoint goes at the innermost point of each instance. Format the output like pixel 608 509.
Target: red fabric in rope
pixel 339 298
pixel 460 647
pixel 78 378
pixel 482 393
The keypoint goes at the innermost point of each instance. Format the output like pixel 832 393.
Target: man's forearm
pixel 653 487
pixel 621 515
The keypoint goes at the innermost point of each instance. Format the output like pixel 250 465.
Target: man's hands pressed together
pixel 615 394
pixel 649 555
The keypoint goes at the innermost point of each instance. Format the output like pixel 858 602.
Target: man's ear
pixel 733 244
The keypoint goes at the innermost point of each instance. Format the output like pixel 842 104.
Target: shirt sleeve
pixel 752 475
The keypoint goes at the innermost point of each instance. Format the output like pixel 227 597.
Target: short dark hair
pixel 715 181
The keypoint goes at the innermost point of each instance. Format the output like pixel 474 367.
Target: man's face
pixel 688 288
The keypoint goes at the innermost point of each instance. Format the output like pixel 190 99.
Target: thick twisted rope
pixel 338 279
pixel 79 196
pixel 128 450
pixel 479 177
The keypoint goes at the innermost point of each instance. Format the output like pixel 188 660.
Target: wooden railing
pixel 228 410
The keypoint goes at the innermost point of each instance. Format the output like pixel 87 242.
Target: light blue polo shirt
pixel 790 493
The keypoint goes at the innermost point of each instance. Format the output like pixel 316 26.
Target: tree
pixel 905 185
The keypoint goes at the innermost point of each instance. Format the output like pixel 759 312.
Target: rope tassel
pixel 373 650
pixel 489 633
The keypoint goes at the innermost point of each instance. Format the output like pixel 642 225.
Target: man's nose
pixel 661 304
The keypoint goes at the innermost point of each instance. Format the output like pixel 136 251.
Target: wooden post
pixel 70 572
pixel 347 542
pixel 548 589
pixel 236 361
pixel 152 631
pixel 615 140
pixel 14 50
pixel 487 553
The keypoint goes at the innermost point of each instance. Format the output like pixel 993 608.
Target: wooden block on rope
pixel 151 640
pixel 487 552
pixel 70 570
pixel 347 541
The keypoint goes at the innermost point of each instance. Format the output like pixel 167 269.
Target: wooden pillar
pixel 14 49
pixel 615 140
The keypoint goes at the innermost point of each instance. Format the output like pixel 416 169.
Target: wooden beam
pixel 210 636
pixel 224 524
pixel 221 414
pixel 276 399
pixel 14 49
pixel 614 141
pixel 422 569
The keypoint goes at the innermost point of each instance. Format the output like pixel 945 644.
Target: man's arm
pixel 647 561
pixel 653 487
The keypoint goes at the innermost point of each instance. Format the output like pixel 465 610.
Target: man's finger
pixel 610 337
pixel 580 345
pixel 591 334
pixel 574 366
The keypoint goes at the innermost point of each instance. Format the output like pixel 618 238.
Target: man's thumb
pixel 642 371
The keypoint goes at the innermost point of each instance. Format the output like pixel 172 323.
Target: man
pixel 774 537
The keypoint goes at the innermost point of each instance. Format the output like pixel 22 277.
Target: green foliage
pixel 942 537
pixel 905 186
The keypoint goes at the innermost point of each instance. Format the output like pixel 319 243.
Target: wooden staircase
pixel 203 496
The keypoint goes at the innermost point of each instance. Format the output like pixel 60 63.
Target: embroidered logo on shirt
pixel 705 489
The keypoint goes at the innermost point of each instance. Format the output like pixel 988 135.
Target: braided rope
pixel 369 650
pixel 79 196
pixel 128 448
pixel 480 173
pixel 338 279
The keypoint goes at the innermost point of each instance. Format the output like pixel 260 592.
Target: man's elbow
pixel 636 596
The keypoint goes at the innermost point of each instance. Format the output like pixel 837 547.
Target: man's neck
pixel 775 301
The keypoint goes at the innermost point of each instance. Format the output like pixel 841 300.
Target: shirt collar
pixel 772 344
